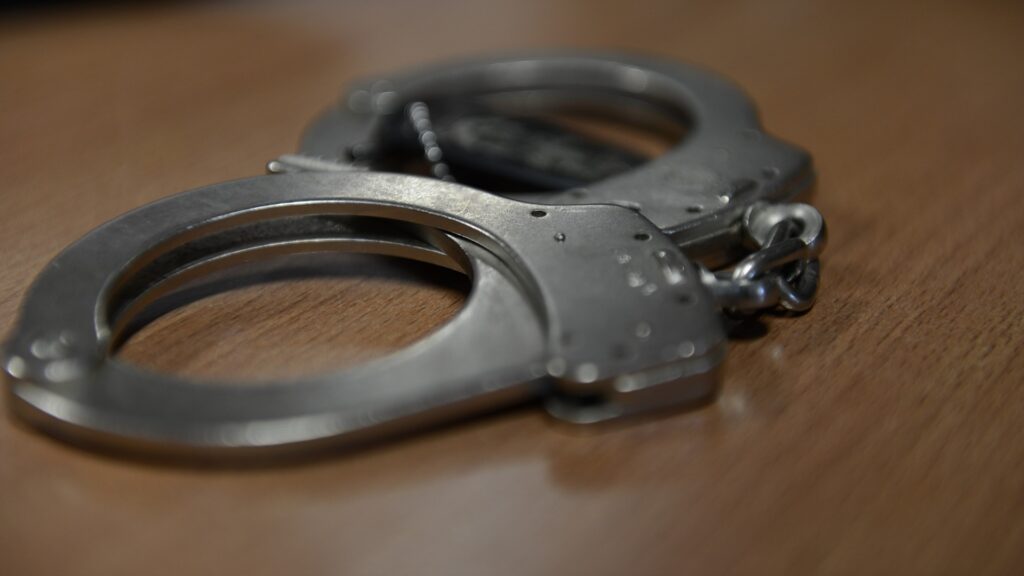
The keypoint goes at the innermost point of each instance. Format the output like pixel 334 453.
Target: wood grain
pixel 879 434
pixel 334 311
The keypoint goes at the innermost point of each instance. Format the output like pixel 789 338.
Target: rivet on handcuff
pixel 598 297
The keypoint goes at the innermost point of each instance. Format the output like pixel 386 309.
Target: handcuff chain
pixel 783 271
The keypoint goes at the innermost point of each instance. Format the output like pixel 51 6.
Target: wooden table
pixel 882 433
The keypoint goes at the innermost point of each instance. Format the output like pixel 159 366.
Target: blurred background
pixel 878 434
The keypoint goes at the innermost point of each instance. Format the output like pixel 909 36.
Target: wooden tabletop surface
pixel 881 433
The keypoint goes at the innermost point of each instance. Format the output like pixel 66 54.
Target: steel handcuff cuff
pixel 592 306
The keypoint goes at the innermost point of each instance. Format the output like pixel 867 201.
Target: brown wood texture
pixel 882 433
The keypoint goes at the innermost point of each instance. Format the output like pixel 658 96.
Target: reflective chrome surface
pixel 586 298
pixel 697 191
pixel 589 306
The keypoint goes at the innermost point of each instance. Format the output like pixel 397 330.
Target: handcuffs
pixel 599 299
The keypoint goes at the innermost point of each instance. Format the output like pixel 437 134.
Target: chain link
pixel 782 271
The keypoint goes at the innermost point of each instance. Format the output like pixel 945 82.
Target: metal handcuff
pixel 590 299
